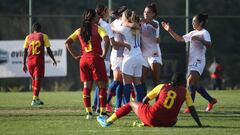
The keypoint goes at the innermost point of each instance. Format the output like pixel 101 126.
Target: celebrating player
pixel 34 53
pixel 164 112
pixel 92 66
pixel 199 40
pixel 150 45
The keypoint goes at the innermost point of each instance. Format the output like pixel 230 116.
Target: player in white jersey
pixel 199 40
pixel 103 14
pixel 132 59
pixel 117 56
pixel 150 45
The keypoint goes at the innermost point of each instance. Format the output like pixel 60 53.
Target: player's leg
pixel 192 83
pixel 38 74
pixel 127 80
pixel 117 75
pixel 122 111
pixel 102 96
pixel 95 100
pixel 87 86
pixel 140 93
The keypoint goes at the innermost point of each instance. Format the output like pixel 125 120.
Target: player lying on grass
pixel 164 112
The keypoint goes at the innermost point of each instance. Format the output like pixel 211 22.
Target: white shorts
pixel 132 66
pixel 198 66
pixel 150 60
pixel 116 63
pixel 107 65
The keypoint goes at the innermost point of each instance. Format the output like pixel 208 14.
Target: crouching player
pixel 164 112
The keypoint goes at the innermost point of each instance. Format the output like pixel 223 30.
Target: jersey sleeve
pixel 154 93
pixel 102 32
pixel 157 29
pixel 187 37
pixel 206 36
pixel 74 35
pixel 188 99
pixel 109 31
pixel 46 41
pixel 25 45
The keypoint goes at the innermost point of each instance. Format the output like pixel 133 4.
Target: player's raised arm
pixel 167 27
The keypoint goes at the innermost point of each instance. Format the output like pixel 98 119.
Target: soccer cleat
pixel 210 105
pixel 138 124
pixel 89 116
pixel 102 121
pixel 186 110
pixel 36 102
pixel 108 108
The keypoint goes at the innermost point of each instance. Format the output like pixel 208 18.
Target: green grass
pixel 63 114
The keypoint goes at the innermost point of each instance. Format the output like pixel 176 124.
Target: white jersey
pixel 117 37
pixel 108 29
pixel 197 49
pixel 133 39
pixel 149 45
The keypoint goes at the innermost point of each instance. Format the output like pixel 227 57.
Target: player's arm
pixel 192 109
pixel 152 94
pixel 25 54
pixel 49 51
pixel 204 42
pixel 117 44
pixel 106 40
pixel 68 44
pixel 167 27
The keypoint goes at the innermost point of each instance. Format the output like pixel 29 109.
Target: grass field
pixel 63 114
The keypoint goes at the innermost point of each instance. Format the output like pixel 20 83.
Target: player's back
pixel 35 44
pixel 169 102
pixel 93 47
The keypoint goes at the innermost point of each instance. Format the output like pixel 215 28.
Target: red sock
pixel 103 97
pixel 124 110
pixel 37 86
pixel 86 97
pixel 33 87
pixel 133 94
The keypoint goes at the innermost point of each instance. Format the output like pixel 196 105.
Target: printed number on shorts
pixel 35 45
pixel 88 48
pixel 169 100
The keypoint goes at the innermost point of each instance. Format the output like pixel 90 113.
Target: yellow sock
pixel 112 118
pixel 88 109
pixel 35 97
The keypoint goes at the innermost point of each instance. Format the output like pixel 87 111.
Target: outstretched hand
pixel 165 25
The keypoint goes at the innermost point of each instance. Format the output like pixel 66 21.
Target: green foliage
pixel 63 113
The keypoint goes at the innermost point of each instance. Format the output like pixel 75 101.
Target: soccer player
pixel 164 112
pixel 92 66
pixel 34 53
pixel 199 40
pixel 150 45
pixel 103 13
pixel 132 59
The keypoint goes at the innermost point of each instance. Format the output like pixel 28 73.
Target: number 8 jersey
pixel 170 100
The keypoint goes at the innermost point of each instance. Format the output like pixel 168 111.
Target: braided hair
pixel 88 17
